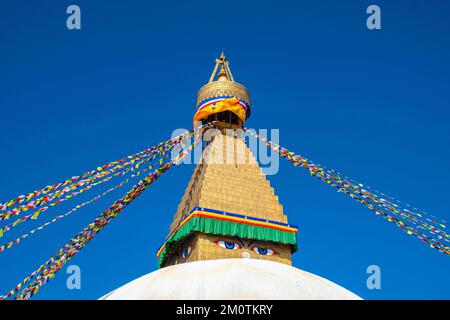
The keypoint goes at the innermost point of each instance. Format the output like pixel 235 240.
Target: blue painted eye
pixel 187 251
pixel 264 251
pixel 228 245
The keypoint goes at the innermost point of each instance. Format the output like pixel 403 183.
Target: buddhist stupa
pixel 229 238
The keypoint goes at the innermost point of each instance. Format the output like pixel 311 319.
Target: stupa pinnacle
pixel 223 99
pixel 229 209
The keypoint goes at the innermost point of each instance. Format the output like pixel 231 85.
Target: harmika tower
pixel 229 209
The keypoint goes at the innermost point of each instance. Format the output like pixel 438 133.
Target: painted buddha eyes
pixel 186 252
pixel 263 251
pixel 228 245
pixel 234 246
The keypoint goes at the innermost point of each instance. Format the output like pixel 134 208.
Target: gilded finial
pixel 224 69
pixel 224 85
pixel 222 75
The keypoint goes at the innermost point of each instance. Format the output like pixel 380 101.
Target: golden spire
pixel 222 75
pixel 225 85
pixel 229 209
pixel 228 180
pixel 225 71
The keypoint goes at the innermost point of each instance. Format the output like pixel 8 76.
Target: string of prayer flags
pixel 37 213
pixel 48 270
pixel 79 206
pixel 50 192
pixel 395 202
pixel 412 222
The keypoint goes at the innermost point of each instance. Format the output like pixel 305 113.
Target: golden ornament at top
pixel 224 85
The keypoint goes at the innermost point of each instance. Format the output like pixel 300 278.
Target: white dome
pixel 230 279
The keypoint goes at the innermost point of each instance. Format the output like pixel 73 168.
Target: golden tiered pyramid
pixel 229 209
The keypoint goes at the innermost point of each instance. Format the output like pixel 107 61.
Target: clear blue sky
pixel 372 104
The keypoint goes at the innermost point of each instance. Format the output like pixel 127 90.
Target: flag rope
pixel 409 220
pixel 49 269
pixel 36 214
pixel 53 192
